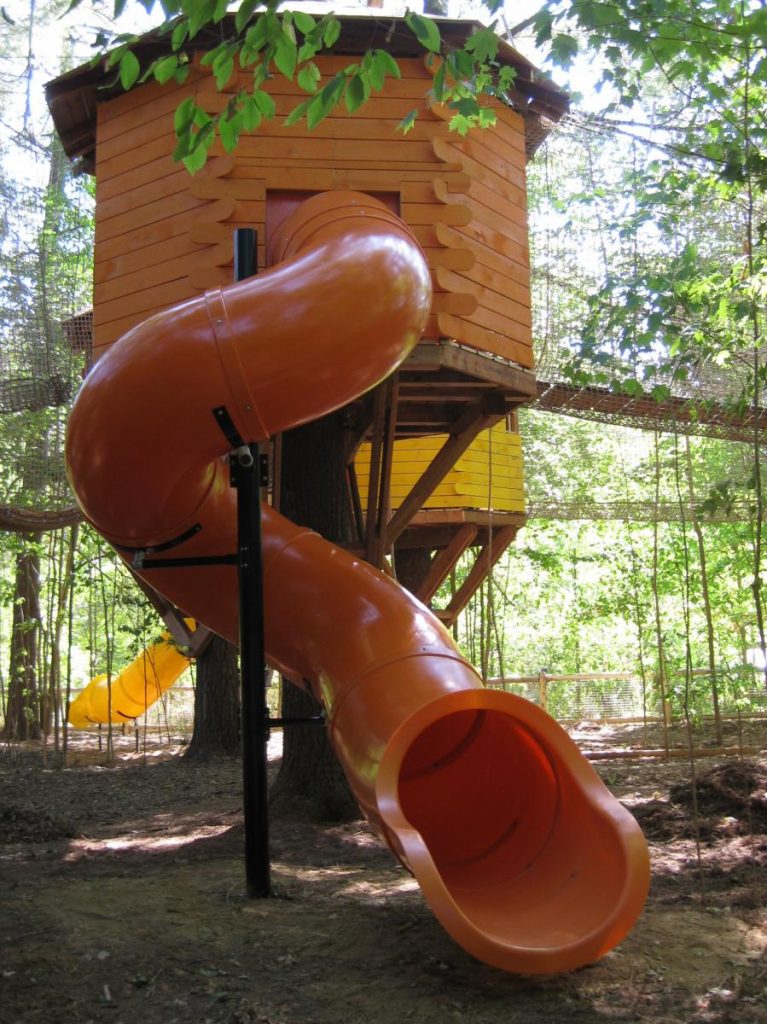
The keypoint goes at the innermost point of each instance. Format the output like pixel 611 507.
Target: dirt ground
pixel 123 901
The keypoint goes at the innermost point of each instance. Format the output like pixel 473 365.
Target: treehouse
pixel 433 456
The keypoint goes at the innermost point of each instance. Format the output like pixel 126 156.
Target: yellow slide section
pixel 135 689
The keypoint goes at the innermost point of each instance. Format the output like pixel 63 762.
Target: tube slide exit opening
pixel 525 857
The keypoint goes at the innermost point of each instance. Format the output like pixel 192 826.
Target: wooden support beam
pixel 476 419
pixel 486 559
pixel 374 473
pixel 387 462
pixel 445 560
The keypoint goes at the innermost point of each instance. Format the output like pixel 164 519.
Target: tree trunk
pixel 22 721
pixel 310 783
pixel 412 566
pixel 216 703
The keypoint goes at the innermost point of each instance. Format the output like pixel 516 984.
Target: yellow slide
pixel 137 687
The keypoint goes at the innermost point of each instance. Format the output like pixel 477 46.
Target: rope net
pixel 578 469
pixel 45 284
pixel 586 228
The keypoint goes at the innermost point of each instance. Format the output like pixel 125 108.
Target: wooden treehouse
pixel 434 459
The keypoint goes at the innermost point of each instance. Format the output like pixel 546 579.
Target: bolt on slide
pixel 523 855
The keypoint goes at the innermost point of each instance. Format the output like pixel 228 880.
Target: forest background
pixel 644 549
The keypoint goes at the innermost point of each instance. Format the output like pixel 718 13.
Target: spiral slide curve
pixel 523 855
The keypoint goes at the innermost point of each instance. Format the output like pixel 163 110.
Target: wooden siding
pixel 163 236
pixel 487 476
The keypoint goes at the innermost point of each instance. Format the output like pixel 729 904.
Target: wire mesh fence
pixel 45 283
pixel 626 697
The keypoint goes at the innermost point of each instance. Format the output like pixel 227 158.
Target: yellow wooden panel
pixel 487 476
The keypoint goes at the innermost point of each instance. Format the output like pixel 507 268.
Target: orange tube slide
pixel 524 856
pixel 133 690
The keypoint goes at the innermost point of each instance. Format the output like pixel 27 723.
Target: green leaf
pixel 331 31
pixel 460 124
pixel 179 34
pixel 223 71
pixel 229 133
pixel 376 74
pixel 115 56
pixel 309 77
pixel 196 160
pixel 265 104
pixel 438 85
pixel 483 43
pixel 305 23
pixel 407 122
pixel 486 117
pixel 198 151
pixel 631 386
pixel 184 115
pixel 297 113
pixel 563 49
pixel 425 30
pixel 306 51
pixel 166 69
pixel 244 13
pixel 325 101
pixel 316 111
pixel 199 15
pixel 384 60
pixel 130 69
pixel 286 56
pixel 251 115
pixel 467 106
pixel 355 93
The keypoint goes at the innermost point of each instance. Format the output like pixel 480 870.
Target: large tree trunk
pixel 22 720
pixel 310 783
pixel 216 703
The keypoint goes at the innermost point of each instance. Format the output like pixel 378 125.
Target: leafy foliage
pixel 261 40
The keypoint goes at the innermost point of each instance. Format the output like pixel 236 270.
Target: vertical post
pixel 543 695
pixel 246 477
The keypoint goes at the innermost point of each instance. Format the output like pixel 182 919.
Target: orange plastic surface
pixel 523 855
pixel 133 690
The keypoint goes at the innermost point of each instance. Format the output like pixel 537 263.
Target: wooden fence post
pixel 543 698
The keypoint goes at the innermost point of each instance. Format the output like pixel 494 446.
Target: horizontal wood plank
pixel 227 188
pixel 481 163
pixel 501 323
pixel 133 197
pixel 128 112
pixel 517 309
pixel 493 261
pixel 436 213
pixel 459 305
pixel 126 162
pixel 178 205
pixel 485 340
pixel 128 261
pixel 137 304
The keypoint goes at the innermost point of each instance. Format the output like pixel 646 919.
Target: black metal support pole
pixel 246 477
pixel 246 473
